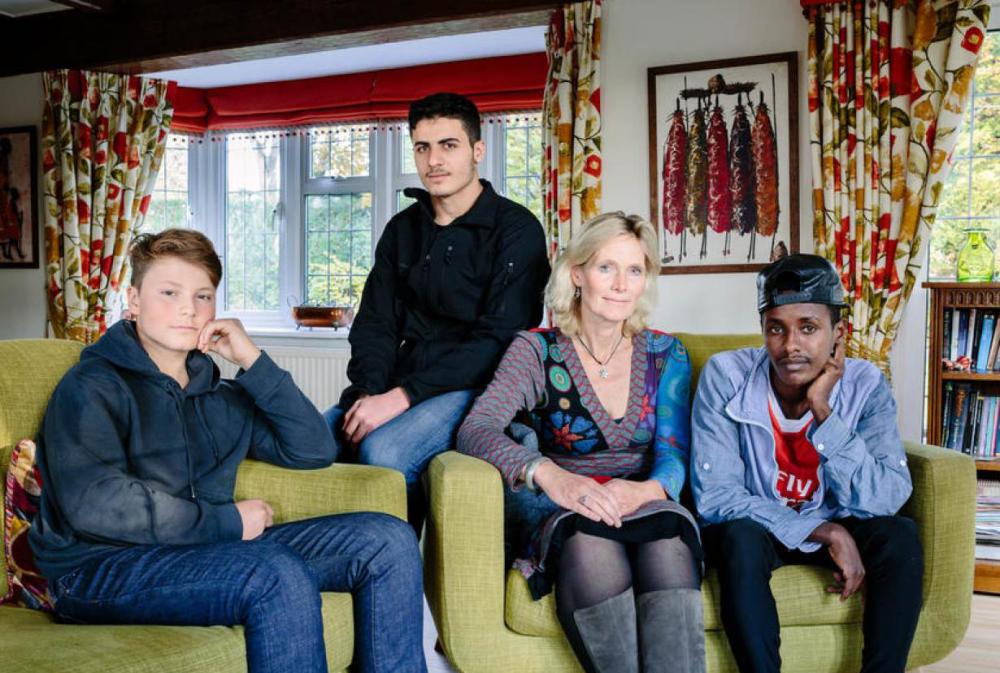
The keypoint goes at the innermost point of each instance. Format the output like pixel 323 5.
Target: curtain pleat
pixel 888 83
pixel 103 137
pixel 571 118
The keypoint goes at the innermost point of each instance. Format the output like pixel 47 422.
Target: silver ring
pixel 582 499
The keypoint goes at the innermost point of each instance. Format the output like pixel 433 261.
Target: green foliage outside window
pixel 971 195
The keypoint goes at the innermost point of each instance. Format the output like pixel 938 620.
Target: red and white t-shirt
pixel 798 461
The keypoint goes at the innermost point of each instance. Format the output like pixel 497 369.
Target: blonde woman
pixel 592 494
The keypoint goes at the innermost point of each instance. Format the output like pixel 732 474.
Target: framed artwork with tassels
pixel 18 198
pixel 723 162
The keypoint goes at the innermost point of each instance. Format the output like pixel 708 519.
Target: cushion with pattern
pixel 22 500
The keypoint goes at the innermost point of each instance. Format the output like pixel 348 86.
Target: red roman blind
pixel 493 84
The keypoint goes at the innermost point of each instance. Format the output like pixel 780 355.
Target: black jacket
pixel 128 457
pixel 442 303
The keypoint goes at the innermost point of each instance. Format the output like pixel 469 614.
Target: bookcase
pixel 944 419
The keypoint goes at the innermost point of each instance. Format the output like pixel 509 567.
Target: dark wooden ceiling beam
pixel 150 35
pixel 88 5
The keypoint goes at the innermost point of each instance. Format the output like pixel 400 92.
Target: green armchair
pixel 34 641
pixel 488 622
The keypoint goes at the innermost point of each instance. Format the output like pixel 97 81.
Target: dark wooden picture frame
pixel 771 79
pixel 19 226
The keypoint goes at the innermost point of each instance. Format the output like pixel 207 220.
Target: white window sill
pixel 302 333
pixel 326 338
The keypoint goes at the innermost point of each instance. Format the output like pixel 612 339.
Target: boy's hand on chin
pixel 228 338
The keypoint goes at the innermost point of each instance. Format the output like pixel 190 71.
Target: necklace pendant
pixel 602 372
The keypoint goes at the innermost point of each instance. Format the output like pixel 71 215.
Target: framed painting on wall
pixel 18 198
pixel 723 162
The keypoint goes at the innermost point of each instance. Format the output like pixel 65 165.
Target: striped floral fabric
pixel 103 137
pixel 888 83
pixel 571 117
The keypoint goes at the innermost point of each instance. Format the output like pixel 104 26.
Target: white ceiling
pixel 362 59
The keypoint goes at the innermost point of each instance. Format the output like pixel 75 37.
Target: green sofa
pixel 488 623
pixel 33 641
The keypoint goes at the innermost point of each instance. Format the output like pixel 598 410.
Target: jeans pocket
pixel 64 585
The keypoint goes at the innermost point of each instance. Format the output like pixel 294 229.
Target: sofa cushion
pixel 31 369
pixel 23 488
pixel 799 591
pixel 44 645
pixel 701 347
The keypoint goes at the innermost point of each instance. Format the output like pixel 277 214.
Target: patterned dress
pixel 541 383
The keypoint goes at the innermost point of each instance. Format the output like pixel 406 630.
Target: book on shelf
pixel 947 404
pixel 986 427
pixel 953 344
pixel 991 358
pixel 974 334
pixel 971 421
pixel 946 335
pixel 963 333
pixel 988 552
pixel 972 431
pixel 987 487
pixel 970 345
pixel 995 441
pixel 985 340
pixel 959 416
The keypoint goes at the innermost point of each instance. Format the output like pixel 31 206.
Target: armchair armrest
pixel 464 573
pixel 943 505
pixel 302 494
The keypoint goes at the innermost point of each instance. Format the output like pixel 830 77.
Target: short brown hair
pixel 186 244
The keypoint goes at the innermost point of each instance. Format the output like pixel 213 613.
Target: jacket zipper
pixel 187 448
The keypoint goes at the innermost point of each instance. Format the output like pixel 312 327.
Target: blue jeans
pixel 408 442
pixel 271 586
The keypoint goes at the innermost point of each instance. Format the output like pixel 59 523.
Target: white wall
pixel 22 291
pixel 639 34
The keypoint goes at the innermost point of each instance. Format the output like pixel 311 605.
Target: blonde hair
pixel 560 293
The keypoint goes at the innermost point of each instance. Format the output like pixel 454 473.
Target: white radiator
pixel 321 373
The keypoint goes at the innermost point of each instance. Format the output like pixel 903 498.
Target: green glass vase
pixel 975 259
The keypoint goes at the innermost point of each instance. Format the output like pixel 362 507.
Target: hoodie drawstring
pixel 204 427
pixel 187 447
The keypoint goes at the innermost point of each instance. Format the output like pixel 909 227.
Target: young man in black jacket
pixel 456 275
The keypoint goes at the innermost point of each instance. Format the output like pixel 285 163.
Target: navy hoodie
pixel 128 457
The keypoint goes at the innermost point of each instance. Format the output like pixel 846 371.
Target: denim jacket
pixel 862 470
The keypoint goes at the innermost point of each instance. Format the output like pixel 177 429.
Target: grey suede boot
pixel 672 631
pixel 608 631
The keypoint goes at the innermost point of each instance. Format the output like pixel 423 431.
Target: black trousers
pixel 745 555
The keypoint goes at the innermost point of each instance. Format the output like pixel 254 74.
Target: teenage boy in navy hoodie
pixel 138 453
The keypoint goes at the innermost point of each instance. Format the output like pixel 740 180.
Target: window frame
pixel 967 221
pixel 207 188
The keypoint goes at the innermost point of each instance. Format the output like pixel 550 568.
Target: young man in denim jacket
pixel 796 459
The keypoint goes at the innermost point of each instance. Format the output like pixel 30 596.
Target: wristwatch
pixel 529 472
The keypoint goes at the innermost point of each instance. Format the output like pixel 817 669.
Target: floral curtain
pixel 571 118
pixel 888 83
pixel 102 144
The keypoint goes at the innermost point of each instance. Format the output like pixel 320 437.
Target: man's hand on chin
pixel 372 411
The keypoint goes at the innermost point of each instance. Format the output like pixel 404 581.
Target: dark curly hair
pixel 450 106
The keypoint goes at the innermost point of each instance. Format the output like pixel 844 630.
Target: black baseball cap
pixel 799 279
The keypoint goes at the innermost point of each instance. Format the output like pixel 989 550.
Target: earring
pixel 576 292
